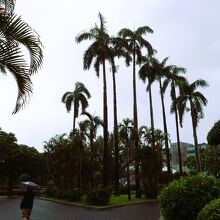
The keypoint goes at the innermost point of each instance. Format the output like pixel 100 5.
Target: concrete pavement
pixel 46 210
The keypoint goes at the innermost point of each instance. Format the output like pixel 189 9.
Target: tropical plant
pixel 93 122
pixel 79 96
pixel 191 192
pixel 100 52
pixel 125 132
pixel 196 100
pixel 213 136
pixel 117 51
pixel 14 33
pixel 174 80
pixel 160 70
pixel 135 42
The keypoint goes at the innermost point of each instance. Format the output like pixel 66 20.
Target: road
pixel 45 210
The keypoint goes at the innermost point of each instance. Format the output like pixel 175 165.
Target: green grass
pixel 123 199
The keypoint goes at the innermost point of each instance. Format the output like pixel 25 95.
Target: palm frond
pixel 15 29
pixel 125 32
pixel 11 59
pixel 84 36
pixel 199 83
pixel 143 30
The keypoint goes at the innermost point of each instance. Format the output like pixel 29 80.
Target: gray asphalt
pixel 45 210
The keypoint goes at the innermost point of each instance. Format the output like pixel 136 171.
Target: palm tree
pixel 162 70
pixel 14 32
pixel 79 96
pixel 125 131
pixel 174 80
pixel 196 100
pixel 146 73
pixel 100 52
pixel 135 42
pixel 93 122
pixel 117 51
pixel 78 136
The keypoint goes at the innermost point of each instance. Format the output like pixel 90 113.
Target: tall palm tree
pixel 146 73
pixel 174 81
pixel 14 32
pixel 125 131
pixel 99 51
pixel 117 51
pixel 196 100
pixel 79 96
pixel 135 42
pixel 161 70
pixel 93 122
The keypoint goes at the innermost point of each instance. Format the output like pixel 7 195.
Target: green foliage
pixel 213 136
pixel 51 190
pixel 99 196
pixel 73 195
pixel 183 199
pixel 211 211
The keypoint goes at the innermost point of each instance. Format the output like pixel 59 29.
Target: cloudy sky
pixel 185 31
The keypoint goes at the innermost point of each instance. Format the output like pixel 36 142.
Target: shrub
pixel 51 190
pixel 99 196
pixel 183 199
pixel 211 211
pixel 73 195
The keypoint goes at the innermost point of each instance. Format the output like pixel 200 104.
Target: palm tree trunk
pixel 137 170
pixel 115 136
pixel 177 133
pixel 198 164
pixel 151 113
pixel 74 121
pixel 91 160
pixel 105 129
pixel 165 132
pixel 128 169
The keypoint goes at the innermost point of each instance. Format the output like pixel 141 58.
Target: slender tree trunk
pixel 115 136
pixel 165 132
pixel 74 118
pixel 151 113
pixel 91 160
pixel 135 116
pixel 198 164
pixel 128 169
pixel 153 182
pixel 79 166
pixel 177 133
pixel 105 129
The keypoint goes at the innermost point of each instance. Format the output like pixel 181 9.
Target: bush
pixel 211 211
pixel 99 196
pixel 183 199
pixel 73 195
pixel 51 190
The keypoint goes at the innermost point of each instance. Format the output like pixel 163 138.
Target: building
pixel 187 150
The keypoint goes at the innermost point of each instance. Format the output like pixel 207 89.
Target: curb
pixel 96 207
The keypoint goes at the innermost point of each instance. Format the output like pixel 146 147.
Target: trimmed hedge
pixel 211 211
pixel 99 196
pixel 183 199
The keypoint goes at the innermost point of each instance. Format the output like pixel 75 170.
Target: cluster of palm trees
pixel 129 45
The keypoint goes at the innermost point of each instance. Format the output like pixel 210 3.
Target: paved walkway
pixel 45 210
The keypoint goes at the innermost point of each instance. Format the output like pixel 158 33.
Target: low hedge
pixel 183 199
pixel 99 196
pixel 211 211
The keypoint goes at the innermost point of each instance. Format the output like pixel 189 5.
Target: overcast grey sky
pixel 186 31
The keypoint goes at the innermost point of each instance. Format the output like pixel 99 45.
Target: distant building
pixel 187 150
